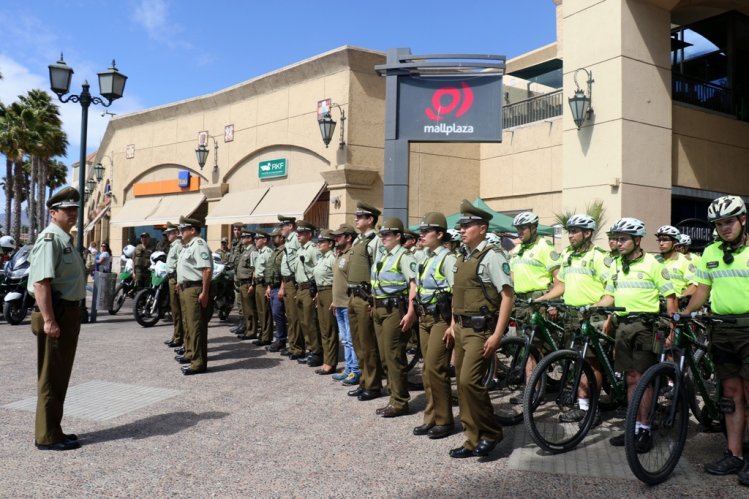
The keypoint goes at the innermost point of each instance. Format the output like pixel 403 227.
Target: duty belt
pixel 466 320
pixel 388 302
pixel 323 288
pixel 245 281
pixel 427 309
pixel 260 282
pixel 304 285
pixel 190 284
pixel 287 279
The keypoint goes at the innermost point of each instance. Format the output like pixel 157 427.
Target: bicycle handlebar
pixel 698 316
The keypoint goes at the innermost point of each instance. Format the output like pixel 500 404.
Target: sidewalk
pixel 259 425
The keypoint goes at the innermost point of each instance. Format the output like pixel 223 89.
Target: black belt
pixel 190 284
pixel 245 281
pixel 324 288
pixel 465 320
pixel 427 309
pixel 260 282
pixel 388 302
pixel 304 285
pixel 287 279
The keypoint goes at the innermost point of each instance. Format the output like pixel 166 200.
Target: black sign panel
pixel 450 109
pixel 701 232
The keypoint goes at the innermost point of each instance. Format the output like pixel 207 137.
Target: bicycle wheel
pixel 668 417
pixel 509 379
pixel 697 405
pixel 551 392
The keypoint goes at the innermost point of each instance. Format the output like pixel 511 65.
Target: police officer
pixel 534 266
pixel 245 275
pixel 295 344
pixel 175 247
pixel 365 250
pixel 57 280
pixel 680 269
pixel 307 256
pixel 434 298
pixel 233 260
pixel 394 288
pixel 323 279
pixel 482 302
pixel 274 282
pixel 194 271
pixel 224 252
pixel 142 261
pixel 262 305
pixel 344 238
pixel 723 276
pixel 636 282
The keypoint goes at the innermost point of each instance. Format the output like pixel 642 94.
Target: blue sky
pixel 178 49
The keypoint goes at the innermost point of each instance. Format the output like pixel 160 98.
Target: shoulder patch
pixel 665 274
pixel 200 242
pixel 660 258
pixel 506 268
pixel 413 266
pixel 554 255
pixel 49 236
pixel 692 268
pixel 607 261
pixel 204 255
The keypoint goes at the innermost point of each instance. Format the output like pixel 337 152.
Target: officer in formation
pixel 175 247
pixel 233 260
pixel 142 261
pixel 307 256
pixel 57 280
pixel 681 270
pixel 244 274
pixel 344 238
pixel 295 346
pixel 262 305
pixel 274 283
pixel 323 279
pixel 194 272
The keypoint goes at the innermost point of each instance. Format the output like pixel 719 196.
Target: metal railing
pixel 536 108
pixel 701 93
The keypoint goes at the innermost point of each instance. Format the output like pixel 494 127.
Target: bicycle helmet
pixel 454 236
pixel 216 258
pixel 158 256
pixel 685 240
pixel 128 251
pixel 525 218
pixel 585 222
pixel 630 226
pixel 668 230
pixel 492 238
pixel 725 207
pixel 7 243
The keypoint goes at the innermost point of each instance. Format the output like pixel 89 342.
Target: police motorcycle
pixel 126 285
pixel 222 288
pixel 7 247
pixel 17 301
pixel 152 303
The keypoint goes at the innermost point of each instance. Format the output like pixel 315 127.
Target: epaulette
pixel 659 258
pixel 688 256
pixel 599 249
pixel 49 236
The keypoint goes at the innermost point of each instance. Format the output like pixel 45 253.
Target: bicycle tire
pixel 542 413
pixel 509 379
pixel 656 465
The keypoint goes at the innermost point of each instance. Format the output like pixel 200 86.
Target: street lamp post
pixel 111 88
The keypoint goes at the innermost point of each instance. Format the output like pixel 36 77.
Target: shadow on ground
pixel 159 425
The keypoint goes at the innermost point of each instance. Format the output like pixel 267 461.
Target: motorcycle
pixel 125 287
pixel 222 288
pixel 17 301
pixel 152 303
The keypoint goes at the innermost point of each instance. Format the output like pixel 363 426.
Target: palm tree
pixel 13 144
pixel 595 209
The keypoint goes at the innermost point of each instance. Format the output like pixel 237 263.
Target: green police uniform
pixel 172 257
pixel 245 275
pixel 584 275
pixel 295 338
pixel 306 311
pixel 265 324
pixel 323 277
pixel 195 256
pixel 142 263
pixel 682 272
pixel 55 260
pixel 638 289
pixel 391 276
pixel 729 295
pixel 237 248
pixel 532 273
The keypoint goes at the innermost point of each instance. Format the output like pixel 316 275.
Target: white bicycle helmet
pixel 668 230
pixel 454 236
pixel 725 207
pixel 492 238
pixel 585 222
pixel 525 218
pixel 128 251
pixel 216 257
pixel 685 240
pixel 630 226
pixel 158 256
pixel 7 243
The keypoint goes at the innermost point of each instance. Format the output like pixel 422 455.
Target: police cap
pixel 185 222
pixel 344 229
pixel 363 208
pixel 469 213
pixel 64 198
pixel 286 220
pixel 303 225
pixel 434 220
pixel 325 235
pixel 392 225
pixel 261 235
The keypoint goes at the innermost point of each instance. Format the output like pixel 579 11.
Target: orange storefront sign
pixel 165 187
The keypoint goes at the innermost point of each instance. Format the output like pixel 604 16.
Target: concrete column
pixel 623 154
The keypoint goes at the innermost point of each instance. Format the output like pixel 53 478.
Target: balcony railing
pixel 540 107
pixel 702 94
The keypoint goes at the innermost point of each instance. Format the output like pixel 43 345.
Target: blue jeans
pixel 344 333
pixel 279 316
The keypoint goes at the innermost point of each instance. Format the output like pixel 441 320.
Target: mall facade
pixel 667 133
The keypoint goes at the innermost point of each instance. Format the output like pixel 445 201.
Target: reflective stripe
pixel 729 273
pixel 580 270
pixel 636 284
pixel 431 280
pixel 528 261
pixel 388 280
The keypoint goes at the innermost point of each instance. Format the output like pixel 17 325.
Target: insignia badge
pixel 640 275
pixel 49 236
pixel 381 249
pixel 342 264
pixel 692 268
pixel 608 261
pixel 665 274
pixel 711 265
pixel 455 268
pixel 67 250
pixel 204 256
pixel 413 266
pixel 506 268
pixel 554 255
pixel 201 243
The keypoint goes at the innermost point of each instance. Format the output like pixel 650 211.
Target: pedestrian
pixel 323 279
pixel 344 237
pixel 104 259
pixel 57 280
pixel 194 271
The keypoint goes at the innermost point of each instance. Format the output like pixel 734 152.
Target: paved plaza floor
pixel 258 425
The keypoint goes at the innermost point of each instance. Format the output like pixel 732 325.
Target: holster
pixel 444 306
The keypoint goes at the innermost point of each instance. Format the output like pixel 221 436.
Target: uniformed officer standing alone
pixel 57 279
pixel 482 302
pixel 194 271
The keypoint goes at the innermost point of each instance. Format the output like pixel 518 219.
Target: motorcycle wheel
pixel 120 293
pixel 14 312
pixel 142 308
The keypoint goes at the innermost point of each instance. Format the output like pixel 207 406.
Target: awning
pixel 174 206
pixel 135 211
pixel 98 217
pixel 235 207
pixel 293 200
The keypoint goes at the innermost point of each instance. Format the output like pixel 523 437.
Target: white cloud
pixel 153 17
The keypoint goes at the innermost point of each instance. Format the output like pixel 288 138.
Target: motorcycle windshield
pixel 20 259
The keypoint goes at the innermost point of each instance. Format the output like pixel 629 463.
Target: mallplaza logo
pixel 457 102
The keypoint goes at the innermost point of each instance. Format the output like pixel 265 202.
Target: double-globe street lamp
pixel 111 88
